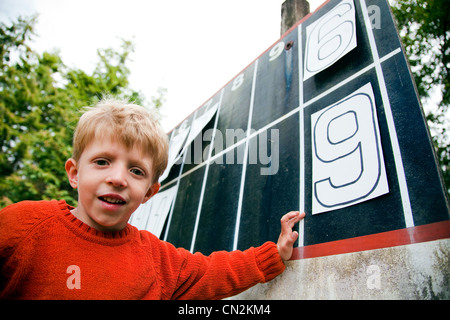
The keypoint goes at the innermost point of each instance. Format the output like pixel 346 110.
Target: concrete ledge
pixel 414 271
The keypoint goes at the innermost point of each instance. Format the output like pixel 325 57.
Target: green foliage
pixel 424 27
pixel 40 99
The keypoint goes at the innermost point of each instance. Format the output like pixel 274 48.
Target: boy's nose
pixel 117 178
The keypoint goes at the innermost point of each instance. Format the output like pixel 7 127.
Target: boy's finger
pixel 292 222
pixel 290 215
pixel 291 218
pixel 301 216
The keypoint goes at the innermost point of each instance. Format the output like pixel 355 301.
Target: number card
pixel 175 145
pixel 330 38
pixel 348 166
pixel 202 117
pixel 184 136
pixel 152 215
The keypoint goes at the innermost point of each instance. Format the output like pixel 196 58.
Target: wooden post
pixel 292 11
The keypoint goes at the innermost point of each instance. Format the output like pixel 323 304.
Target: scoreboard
pixel 326 121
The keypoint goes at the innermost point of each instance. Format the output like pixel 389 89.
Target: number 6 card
pixel 330 38
pixel 348 165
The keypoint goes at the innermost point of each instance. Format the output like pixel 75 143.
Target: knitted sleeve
pixel 16 221
pixel 224 274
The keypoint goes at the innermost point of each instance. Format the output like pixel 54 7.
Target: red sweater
pixel 47 253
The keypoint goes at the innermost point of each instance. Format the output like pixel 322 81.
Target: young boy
pixel 50 250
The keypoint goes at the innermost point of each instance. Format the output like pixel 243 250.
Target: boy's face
pixel 112 182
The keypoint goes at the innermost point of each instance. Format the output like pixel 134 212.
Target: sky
pixel 190 47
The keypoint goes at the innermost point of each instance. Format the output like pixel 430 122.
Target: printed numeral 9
pixel 276 51
pixel 346 152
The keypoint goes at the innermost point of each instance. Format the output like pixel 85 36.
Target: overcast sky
pixel 190 47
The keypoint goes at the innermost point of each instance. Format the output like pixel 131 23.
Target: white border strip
pixel 205 176
pixel 301 117
pixel 244 162
pixel 407 211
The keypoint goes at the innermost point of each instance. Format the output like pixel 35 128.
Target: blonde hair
pixel 130 124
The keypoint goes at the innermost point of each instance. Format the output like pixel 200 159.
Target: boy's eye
pixel 137 172
pixel 101 162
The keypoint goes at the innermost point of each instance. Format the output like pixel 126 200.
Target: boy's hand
pixel 287 236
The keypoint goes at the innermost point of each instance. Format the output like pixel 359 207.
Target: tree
pixel 424 27
pixel 40 99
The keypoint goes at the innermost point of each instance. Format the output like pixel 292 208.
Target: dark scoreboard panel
pixel 326 121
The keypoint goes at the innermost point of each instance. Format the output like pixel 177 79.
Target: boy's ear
pixel 72 172
pixel 152 191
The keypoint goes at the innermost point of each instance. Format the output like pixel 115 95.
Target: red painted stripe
pixel 428 232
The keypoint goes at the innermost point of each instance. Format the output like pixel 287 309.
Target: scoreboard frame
pixel 348 120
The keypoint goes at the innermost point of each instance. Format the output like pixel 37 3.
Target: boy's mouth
pixel 113 199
